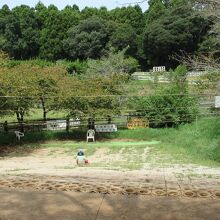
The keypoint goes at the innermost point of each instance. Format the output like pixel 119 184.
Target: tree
pixel 180 28
pixel 21 33
pixel 124 36
pixel 113 63
pixel 88 39
pixel 26 85
pixel 157 9
pixel 211 10
pixel 96 92
pixel 170 106
pixel 128 15
pixel 46 86
pixel 15 91
pixel 4 13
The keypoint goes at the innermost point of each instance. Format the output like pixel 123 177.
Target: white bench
pixel 106 128
pixel 19 135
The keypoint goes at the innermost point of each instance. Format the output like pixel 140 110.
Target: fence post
pixel 5 126
pixel 196 123
pixel 67 124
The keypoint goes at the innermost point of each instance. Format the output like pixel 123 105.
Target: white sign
pixel 159 68
pixel 217 101
pixel 106 128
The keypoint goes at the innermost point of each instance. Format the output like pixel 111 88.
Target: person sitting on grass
pixel 80 158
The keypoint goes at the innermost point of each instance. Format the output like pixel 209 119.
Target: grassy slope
pixel 197 142
pixel 191 143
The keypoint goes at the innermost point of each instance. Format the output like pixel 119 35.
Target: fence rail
pixel 66 124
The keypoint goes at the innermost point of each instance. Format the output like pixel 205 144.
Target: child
pixel 80 158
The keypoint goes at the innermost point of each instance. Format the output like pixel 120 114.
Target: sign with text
pixel 106 128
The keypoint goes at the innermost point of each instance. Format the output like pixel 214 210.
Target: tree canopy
pixel 165 28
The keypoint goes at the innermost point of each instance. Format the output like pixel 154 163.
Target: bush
pixel 170 106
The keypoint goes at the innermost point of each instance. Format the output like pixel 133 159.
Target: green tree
pixel 16 92
pixel 4 13
pixel 180 28
pixel 113 63
pixel 46 85
pixel 55 24
pixel 128 15
pixel 88 39
pixel 124 36
pixel 156 9
pixel 21 33
pixel 170 106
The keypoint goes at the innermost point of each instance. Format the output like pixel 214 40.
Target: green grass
pixel 196 143
pixel 34 114
pixel 134 87
pixel 190 143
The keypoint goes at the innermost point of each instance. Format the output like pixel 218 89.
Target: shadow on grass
pixel 10 146
pixel 9 141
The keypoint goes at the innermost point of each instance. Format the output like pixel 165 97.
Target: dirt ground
pixel 27 204
pixel 45 183
pixel 56 170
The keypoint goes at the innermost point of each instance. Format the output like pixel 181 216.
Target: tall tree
pixel 129 15
pixel 180 28
pixel 124 36
pixel 21 33
pixel 87 40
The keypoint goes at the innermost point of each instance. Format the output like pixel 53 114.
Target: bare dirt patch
pixel 55 169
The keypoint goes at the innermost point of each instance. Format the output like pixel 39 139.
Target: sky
pixel 110 4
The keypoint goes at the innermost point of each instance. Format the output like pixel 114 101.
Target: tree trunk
pixel 20 118
pixel 44 108
pixel 67 125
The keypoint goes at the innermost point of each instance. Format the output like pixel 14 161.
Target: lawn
pixel 197 143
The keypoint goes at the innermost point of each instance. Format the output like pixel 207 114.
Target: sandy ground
pixel 47 184
pixel 26 205
pixel 55 170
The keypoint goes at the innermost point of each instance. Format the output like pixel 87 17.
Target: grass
pixel 34 114
pixel 196 143
pixel 191 143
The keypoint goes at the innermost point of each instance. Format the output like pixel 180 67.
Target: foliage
pixel 197 142
pixel 114 62
pixel 87 40
pixel 151 37
pixel 169 106
pixel 17 91
pixel 21 34
pixel 124 36
pixel 178 28
pixel 211 10
pixel 92 95
pixel 76 67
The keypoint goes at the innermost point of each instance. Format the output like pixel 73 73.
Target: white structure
pixel 56 124
pixel 74 122
pixel 106 128
pixel 19 135
pixel 61 124
pixel 159 69
pixel 90 135
pixel 217 101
